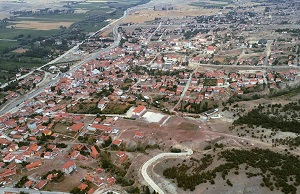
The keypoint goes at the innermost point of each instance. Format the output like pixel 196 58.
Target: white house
pixel 101 105
pixel 32 125
pixel 68 167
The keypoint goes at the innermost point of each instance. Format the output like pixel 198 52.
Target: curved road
pixel 155 158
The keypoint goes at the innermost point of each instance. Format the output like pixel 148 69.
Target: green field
pixel 11 64
pixel 7 44
pixel 211 3
pixel 14 33
pixel 55 18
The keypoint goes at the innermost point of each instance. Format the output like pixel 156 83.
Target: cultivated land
pixel 175 97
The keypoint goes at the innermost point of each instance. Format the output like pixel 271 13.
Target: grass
pixel 7 44
pixel 61 128
pixel 14 33
pixel 12 64
pixel 212 3
pixel 55 18
pixel 2 95
pixel 92 27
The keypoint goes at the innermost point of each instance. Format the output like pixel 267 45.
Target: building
pixel 40 184
pixel 139 135
pixel 69 167
pixel 76 127
pixel 33 165
pixel 94 152
pixel 139 111
pixel 97 127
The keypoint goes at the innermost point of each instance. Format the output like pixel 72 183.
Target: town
pixel 158 80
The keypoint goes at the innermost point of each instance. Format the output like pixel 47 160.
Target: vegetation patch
pixel 278 171
pixel 276 117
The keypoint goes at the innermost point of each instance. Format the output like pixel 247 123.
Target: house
pixel 82 186
pixel 29 184
pixel 220 82
pixel 210 50
pixel 120 154
pixel 4 141
pixel 40 184
pixel 74 154
pixel 34 147
pixel 91 191
pixel 9 157
pixel 94 152
pixel 8 173
pixel 20 158
pixel 76 127
pixel 32 125
pixel 33 165
pixel 111 181
pixel 101 105
pixel 117 142
pixel 139 111
pixel 48 155
pixel 94 127
pixel 99 181
pixel 68 167
pixel 139 135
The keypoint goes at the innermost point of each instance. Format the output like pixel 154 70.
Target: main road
pixel 14 105
pixel 183 92
pixel 31 191
pixel 146 165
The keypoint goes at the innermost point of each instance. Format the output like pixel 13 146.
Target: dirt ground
pixel 20 50
pixel 36 25
pixel 177 130
pixel 181 11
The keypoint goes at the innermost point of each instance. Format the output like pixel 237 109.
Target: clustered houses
pixel 145 65
pixel 24 85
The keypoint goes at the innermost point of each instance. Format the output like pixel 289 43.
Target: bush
pixel 175 150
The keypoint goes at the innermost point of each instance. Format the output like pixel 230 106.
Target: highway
pixel 31 191
pixel 248 66
pixel 14 105
pixel 146 165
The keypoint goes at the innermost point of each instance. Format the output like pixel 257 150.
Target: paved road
pixel 31 191
pixel 149 39
pixel 184 91
pixel 248 66
pixel 155 158
pixel 267 52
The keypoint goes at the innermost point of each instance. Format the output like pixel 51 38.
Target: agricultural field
pixel 211 3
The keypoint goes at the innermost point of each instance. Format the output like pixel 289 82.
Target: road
pixel 240 57
pixel 14 105
pixel 184 91
pixel 149 39
pixel 9 40
pixel 248 66
pixel 268 51
pixel 146 165
pixel 31 191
